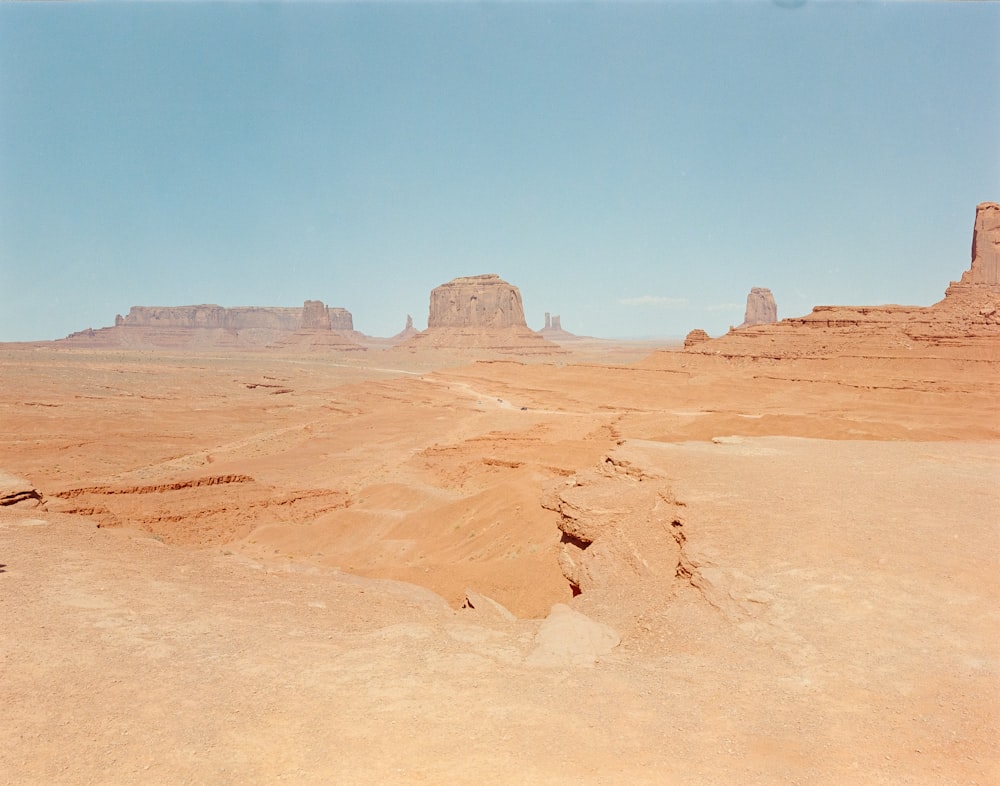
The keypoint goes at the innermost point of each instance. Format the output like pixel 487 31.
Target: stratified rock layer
pixel 761 308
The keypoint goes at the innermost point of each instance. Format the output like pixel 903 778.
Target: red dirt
pixel 202 597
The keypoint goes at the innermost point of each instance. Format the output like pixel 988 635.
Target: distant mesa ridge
pixel 313 326
pixel 313 315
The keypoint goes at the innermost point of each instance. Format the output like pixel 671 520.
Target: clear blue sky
pixel 633 168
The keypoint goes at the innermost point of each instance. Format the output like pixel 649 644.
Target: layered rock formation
pixel 967 317
pixel 482 313
pixel 761 308
pixel 313 325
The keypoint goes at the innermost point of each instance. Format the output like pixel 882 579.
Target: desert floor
pixel 252 568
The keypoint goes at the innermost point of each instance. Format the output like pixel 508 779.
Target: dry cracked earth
pixel 614 566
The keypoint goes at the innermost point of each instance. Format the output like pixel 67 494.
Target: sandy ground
pixel 251 569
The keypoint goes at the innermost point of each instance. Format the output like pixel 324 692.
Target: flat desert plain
pixel 615 565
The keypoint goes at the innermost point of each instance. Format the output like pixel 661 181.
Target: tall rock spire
pixel 985 268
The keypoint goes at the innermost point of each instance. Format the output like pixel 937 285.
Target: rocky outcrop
pixel 481 313
pixel 205 326
pixel 761 308
pixel 696 337
pixel 619 525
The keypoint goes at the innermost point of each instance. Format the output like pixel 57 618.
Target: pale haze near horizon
pixel 635 169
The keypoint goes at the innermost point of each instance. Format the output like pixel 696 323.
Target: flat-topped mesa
pixel 485 301
pixel 480 313
pixel 985 267
pixel 761 308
